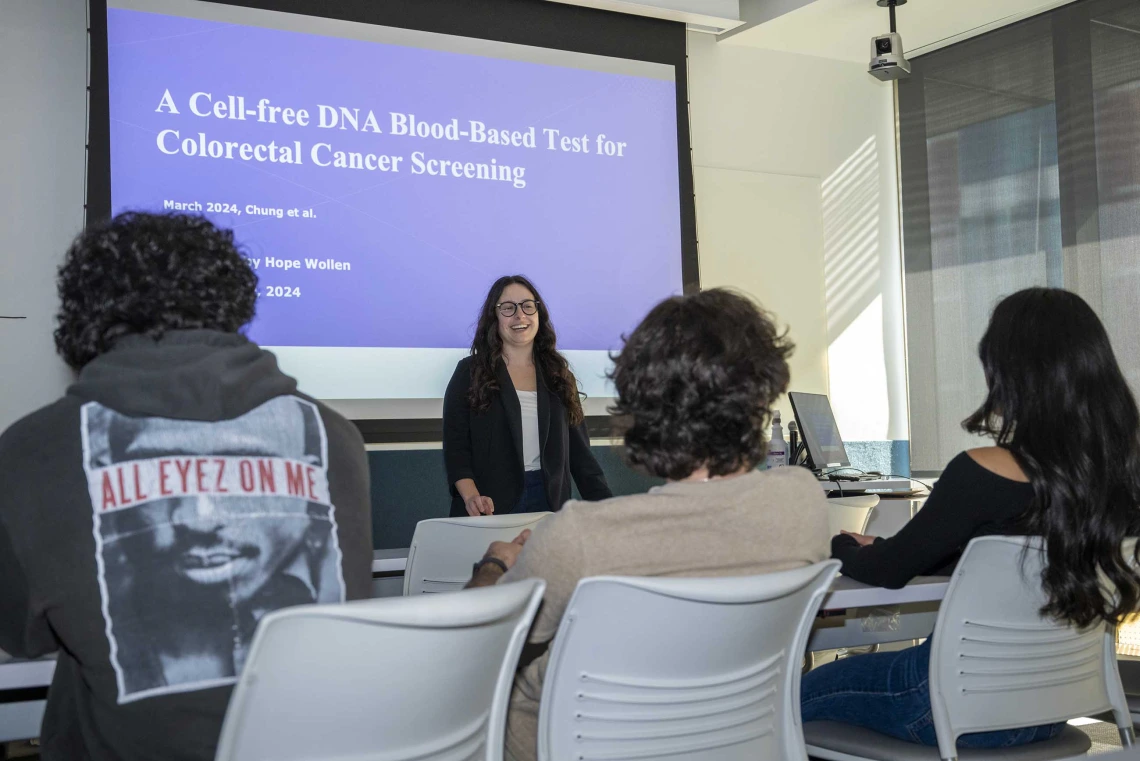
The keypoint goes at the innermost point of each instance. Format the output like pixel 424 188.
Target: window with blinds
pixel 1020 162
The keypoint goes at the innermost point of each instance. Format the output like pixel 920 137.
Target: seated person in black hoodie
pixel 181 490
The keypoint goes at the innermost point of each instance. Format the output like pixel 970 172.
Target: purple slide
pixel 379 189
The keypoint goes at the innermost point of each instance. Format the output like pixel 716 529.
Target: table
pixel 389 561
pixel 855 614
pixel 844 620
pixel 848 593
pixel 848 618
pixel 18 674
pixel 844 623
pixel 21 716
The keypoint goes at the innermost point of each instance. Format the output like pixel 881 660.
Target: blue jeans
pixel 533 499
pixel 890 693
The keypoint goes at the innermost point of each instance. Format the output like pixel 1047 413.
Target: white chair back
pixel 444 549
pixel 424 678
pixel 997 664
pixel 700 669
pixel 850 513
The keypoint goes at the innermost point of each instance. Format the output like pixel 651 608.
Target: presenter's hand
pixel 508 552
pixel 478 505
pixel 862 539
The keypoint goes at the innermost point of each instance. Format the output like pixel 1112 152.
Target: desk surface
pixel 848 593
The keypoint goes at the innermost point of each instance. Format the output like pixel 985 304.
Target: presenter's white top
pixel 532 456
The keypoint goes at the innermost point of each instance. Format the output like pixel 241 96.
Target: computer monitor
pixel 820 433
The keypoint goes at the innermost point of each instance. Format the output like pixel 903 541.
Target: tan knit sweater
pixel 756 523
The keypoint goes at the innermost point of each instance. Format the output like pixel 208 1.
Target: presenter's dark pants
pixel 533 499
pixel 890 693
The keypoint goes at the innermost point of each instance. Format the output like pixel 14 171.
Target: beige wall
pixel 43 120
pixel 794 167
pixel 762 233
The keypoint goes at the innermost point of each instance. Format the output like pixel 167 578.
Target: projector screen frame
pixel 536 23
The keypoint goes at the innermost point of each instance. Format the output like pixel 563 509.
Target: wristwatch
pixel 488 561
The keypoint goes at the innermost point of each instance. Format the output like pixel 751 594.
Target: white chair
pixel 444 549
pixel 699 669
pixel 1130 679
pixel 850 513
pixel 424 678
pixel 997 664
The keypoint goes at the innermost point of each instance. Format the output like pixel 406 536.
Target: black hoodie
pixel 178 492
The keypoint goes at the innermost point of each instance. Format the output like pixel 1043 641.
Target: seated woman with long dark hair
pixel 1065 466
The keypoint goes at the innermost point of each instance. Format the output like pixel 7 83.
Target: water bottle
pixel 777 447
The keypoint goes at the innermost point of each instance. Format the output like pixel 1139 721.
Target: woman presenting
pixel 513 430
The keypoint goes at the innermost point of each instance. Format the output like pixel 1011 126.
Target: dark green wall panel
pixel 409 486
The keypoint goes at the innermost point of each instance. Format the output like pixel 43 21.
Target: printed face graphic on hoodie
pixel 204 527
pixel 211 541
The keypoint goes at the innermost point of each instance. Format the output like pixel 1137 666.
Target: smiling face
pixel 519 329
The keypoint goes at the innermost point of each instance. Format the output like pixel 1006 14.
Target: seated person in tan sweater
pixel 695 382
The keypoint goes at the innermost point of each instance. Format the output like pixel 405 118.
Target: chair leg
pixel 1127 736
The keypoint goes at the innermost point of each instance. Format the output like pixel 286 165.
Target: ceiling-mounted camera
pixel 888 61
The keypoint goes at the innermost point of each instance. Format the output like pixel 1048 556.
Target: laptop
pixel 826 452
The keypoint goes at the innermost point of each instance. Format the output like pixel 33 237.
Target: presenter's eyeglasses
pixel 508 308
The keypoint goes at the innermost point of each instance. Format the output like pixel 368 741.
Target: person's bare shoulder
pixel 999 461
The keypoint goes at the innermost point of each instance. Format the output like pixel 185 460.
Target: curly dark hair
pixel 696 381
pixel 147 274
pixel 487 349
pixel 1059 403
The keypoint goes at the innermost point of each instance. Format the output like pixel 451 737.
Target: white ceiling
pixel 842 29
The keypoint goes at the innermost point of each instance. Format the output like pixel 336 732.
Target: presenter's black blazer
pixel 487 446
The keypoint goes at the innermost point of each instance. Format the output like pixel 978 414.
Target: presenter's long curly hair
pixel 147 274
pixel 487 350
pixel 696 381
pixel 1059 403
